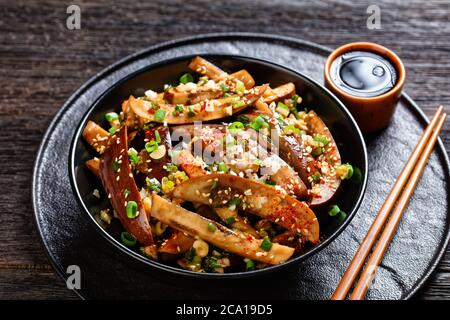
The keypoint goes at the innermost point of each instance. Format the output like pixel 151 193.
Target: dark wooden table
pixel 42 63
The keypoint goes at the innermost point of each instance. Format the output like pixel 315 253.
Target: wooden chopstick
pixel 366 245
pixel 369 271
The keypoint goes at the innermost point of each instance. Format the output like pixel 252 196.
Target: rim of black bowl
pixel 183 272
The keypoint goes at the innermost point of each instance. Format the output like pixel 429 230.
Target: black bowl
pixel 315 96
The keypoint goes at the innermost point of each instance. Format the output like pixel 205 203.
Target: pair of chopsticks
pixel 400 194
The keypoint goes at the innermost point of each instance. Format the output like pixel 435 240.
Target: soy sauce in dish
pixel 363 74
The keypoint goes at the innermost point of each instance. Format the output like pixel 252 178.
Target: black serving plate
pixel 69 238
pixel 315 96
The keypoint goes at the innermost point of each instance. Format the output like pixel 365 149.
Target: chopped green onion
pixel 224 87
pixel 270 182
pixel 128 239
pixel 357 175
pixel 167 185
pixel 116 166
pixel 266 244
pixel 282 109
pixel 258 123
pixel 191 113
pixel 317 151
pixel 112 130
pixel 236 127
pixel 214 185
pixel 342 216
pixel 334 210
pixel 153 184
pixel 249 265
pixel 157 137
pixel 239 103
pixel 226 95
pixel 133 156
pixel 243 119
pixel 190 254
pixel 171 168
pixel 291 129
pixel 240 86
pixel 294 105
pixel 160 114
pixel 212 227
pixel 322 140
pixel 230 220
pixel 233 203
pixel 223 167
pixel 185 78
pixel 111 116
pixel 211 263
pixel 178 109
pixel 316 177
pixel 294 99
pixel 132 211
pixel 151 146
pixel 344 171
pixel 196 260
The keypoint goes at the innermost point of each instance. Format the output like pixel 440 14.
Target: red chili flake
pixel 203 105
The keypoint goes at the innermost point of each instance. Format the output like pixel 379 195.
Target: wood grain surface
pixel 42 63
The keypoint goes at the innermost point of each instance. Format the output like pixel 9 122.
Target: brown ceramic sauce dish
pixel 371 107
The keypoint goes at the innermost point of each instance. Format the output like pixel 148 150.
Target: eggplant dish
pixel 216 173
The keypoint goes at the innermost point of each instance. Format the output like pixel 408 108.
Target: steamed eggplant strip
pixel 194 169
pixel 96 136
pixel 179 96
pixel 279 93
pixel 272 95
pixel 206 68
pixel 117 179
pixel 258 198
pixel 178 243
pixel 292 150
pixel 244 77
pixel 247 198
pixel 191 165
pixel 263 107
pixel 224 238
pixel 94 166
pixel 184 94
pixel 222 108
pixel 331 156
pixel 285 176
